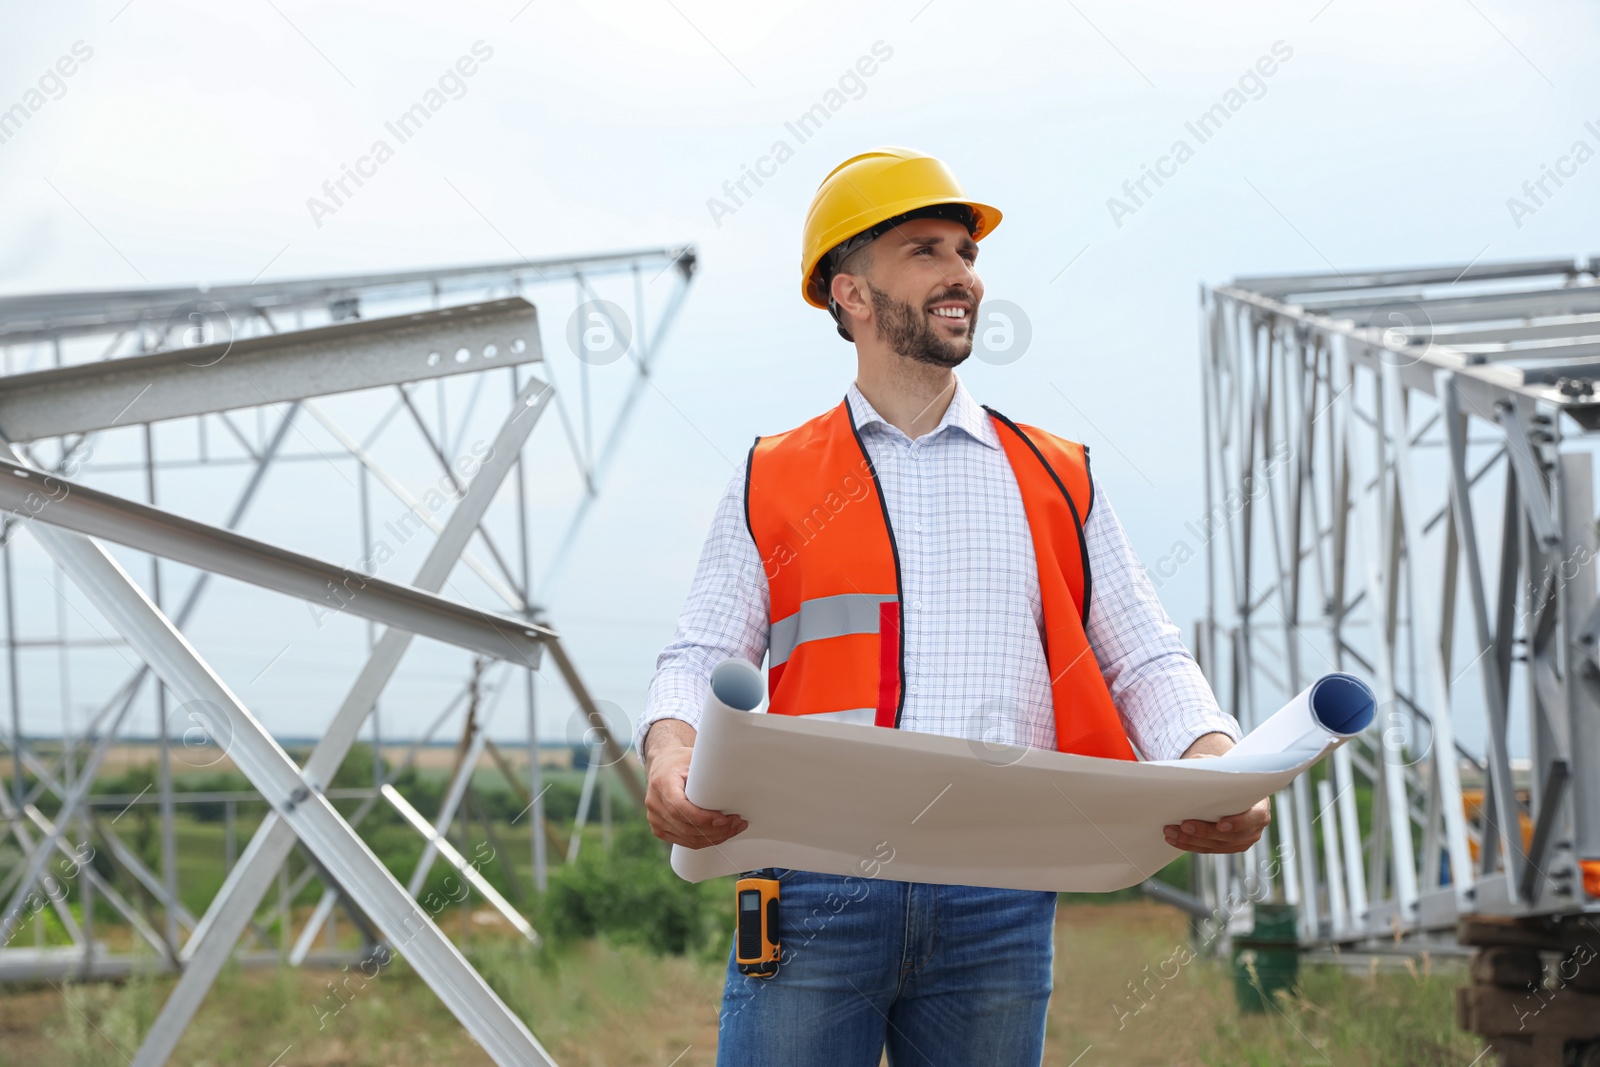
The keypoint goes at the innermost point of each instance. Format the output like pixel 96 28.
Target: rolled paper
pixel 1329 711
pixel 870 802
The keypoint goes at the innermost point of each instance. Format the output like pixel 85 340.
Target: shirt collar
pixel 964 413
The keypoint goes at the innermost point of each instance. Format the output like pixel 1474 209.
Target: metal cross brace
pixel 220 928
pixel 307 815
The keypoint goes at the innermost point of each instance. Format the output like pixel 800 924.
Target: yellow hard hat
pixel 870 189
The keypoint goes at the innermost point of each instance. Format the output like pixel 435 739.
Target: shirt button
pixel 918 527
pixel 912 688
pixel 917 604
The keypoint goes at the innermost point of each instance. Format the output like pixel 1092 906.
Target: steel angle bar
pixel 1354 864
pixel 1167 894
pixel 531 800
pixel 1482 384
pixel 1375 769
pixel 1282 284
pixel 1338 918
pixel 1207 369
pixel 129 861
pixel 444 464
pixel 1355 870
pixel 1297 505
pixel 365 458
pixel 440 845
pixel 247 495
pixel 54 838
pixel 477 809
pixel 269 369
pixel 582 815
pixel 609 448
pixel 1425 592
pixel 1432 873
pixel 25 842
pixel 51 501
pixel 1499 765
pixel 473 752
pixel 615 757
pixel 309 815
pixel 70 805
pixel 1481 307
pixel 207 952
pixel 120 852
pixel 1551 691
pixel 1514 417
pixel 1569 358
pixel 1550 808
pixel 450 855
pixel 372 797
pixel 51 315
pixel 308 933
pixel 435 845
pixel 1477 476
pixel 431 843
pixel 1578 601
pixel 1379 581
pixel 1506 333
pixel 1550 372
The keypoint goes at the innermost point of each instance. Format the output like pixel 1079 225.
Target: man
pixel 910 560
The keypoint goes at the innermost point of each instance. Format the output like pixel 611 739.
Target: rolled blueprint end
pixel 1342 704
pixel 738 686
pixel 1327 713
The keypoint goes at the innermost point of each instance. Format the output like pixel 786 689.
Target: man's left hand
pixel 1231 833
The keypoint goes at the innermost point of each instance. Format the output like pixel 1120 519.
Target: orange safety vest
pixel 816 514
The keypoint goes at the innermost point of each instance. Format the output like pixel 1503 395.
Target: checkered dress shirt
pixel 971 614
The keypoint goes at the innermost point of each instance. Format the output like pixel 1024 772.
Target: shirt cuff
pixel 1197 725
pixel 681 708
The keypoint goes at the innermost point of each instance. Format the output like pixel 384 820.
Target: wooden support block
pixel 1532 933
pixel 1558 1013
pixel 1513 968
pixel 1580 968
pixel 1539 1051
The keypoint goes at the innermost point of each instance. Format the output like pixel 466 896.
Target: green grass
pixel 1342 1018
pixel 595 1002
pixel 607 987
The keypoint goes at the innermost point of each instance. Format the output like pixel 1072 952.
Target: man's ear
pixel 850 293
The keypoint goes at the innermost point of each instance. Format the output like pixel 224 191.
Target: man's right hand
pixel 668 746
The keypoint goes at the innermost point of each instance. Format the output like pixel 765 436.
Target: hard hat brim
pixel 987 218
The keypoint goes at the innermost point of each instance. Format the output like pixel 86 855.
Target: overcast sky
pixel 185 147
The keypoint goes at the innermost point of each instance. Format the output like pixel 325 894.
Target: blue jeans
pixel 953 975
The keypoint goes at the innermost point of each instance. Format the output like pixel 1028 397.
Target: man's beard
pixel 907 330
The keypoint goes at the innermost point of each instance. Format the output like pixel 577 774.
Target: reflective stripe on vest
pixel 825 616
pixel 817 517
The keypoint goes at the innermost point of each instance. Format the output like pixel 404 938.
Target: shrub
pixel 630 895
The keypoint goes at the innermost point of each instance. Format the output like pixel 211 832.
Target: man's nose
pixel 964 275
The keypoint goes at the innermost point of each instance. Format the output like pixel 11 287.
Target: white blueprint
pixel 840 798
